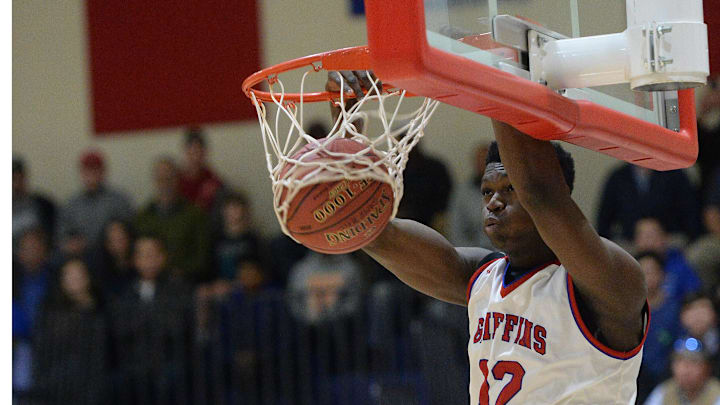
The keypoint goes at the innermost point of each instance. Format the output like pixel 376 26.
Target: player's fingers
pixel 365 79
pixel 371 76
pixel 353 82
pixel 334 81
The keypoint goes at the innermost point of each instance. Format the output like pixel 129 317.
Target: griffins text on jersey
pixel 512 329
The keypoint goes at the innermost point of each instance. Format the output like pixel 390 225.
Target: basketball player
pixel 557 314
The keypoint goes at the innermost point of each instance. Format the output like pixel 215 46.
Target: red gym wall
pixel 170 63
pixel 712 19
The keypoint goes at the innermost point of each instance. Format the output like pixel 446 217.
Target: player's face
pixel 507 224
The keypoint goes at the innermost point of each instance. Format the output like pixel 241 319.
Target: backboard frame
pixel 400 54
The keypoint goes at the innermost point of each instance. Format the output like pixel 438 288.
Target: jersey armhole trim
pixel 477 274
pixel 593 340
pixel 507 289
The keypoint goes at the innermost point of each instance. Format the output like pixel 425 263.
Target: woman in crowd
pixel 112 259
pixel 71 341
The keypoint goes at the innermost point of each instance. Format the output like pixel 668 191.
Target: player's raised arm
pixel 425 260
pixel 605 276
pixel 418 255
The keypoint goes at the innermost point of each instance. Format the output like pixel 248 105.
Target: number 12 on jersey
pixel 498 372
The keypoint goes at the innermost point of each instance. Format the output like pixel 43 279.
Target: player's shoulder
pixel 476 257
pixel 480 266
pixel 492 256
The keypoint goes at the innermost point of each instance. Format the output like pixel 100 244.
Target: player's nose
pixel 496 203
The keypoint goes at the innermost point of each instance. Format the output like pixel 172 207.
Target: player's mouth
pixel 491 222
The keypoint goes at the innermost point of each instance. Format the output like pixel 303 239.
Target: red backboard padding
pixel 170 63
pixel 712 19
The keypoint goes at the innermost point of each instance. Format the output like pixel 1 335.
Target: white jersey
pixel 529 345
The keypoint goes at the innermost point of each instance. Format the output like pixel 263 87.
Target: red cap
pixel 92 159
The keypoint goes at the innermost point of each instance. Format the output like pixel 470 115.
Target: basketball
pixel 339 216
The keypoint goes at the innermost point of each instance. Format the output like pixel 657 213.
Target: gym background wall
pixel 52 120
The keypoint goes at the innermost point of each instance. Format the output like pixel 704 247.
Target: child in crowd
pixel 71 345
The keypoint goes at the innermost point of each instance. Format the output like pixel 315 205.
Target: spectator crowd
pixel 182 301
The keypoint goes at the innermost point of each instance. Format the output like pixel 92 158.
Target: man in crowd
pixel 180 225
pixel 198 182
pixel 704 253
pixel 87 211
pixel 632 193
pixel 29 210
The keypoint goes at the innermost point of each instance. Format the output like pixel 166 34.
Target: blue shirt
pixel 680 278
pixel 664 330
pixel 33 288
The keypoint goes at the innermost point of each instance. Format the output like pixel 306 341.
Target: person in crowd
pixel 708 115
pixel 87 211
pixel 29 209
pixel 252 318
pixel 325 301
pixel 443 351
pixel 182 226
pixel 680 278
pixel 427 188
pixel 633 192
pixel 692 382
pixel 154 313
pixel 71 361
pixel 664 328
pixel 73 243
pixel 199 183
pixel 234 247
pixel 466 222
pixel 281 265
pixel 32 273
pixel 698 318
pixel 237 240
pixel 713 195
pixel 704 254
pixel 325 287
pixel 112 260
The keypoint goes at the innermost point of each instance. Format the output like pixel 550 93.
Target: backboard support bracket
pixel 513 32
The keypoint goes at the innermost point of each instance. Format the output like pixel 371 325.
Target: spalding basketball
pixel 339 216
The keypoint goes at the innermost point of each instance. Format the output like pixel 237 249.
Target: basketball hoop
pixel 390 128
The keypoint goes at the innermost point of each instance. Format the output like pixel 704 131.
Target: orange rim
pixel 355 58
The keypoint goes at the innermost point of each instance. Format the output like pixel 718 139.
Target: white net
pixel 384 122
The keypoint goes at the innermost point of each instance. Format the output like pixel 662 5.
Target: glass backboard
pixel 467 28
pixel 482 56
